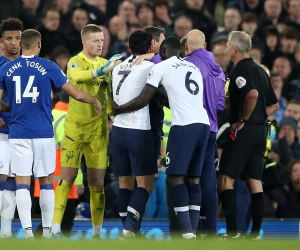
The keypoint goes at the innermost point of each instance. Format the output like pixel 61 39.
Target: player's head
pixel 183 49
pixel 92 40
pixel 169 47
pixel 11 30
pixel 238 43
pixel 31 40
pixel 140 42
pixel 195 39
pixel 158 35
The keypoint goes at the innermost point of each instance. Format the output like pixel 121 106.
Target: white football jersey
pixel 183 83
pixel 127 82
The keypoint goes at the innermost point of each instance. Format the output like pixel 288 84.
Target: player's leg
pixel 139 144
pixel 21 166
pixel 200 134
pixel 43 169
pixel 122 170
pixel 96 156
pixel 7 189
pixel 208 184
pixel 71 153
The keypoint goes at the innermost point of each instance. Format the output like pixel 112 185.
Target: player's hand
pixel 79 189
pixel 235 127
pixel 142 58
pixel 2 123
pixel 109 65
pixel 98 107
pixel 114 111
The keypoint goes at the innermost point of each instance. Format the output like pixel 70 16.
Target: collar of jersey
pixel 27 56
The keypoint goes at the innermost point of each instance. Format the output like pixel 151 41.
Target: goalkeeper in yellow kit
pixel 85 131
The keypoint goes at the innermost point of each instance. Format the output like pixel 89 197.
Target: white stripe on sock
pixel 194 207
pixel 124 214
pixel 133 211
pixel 181 209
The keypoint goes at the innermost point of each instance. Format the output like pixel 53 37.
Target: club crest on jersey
pixel 240 82
pixel 74 65
pixel 69 155
pixel 150 74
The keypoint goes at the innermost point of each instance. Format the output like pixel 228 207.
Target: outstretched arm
pixel 137 103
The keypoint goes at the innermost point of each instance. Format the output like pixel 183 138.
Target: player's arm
pixel 81 75
pixel 82 96
pixel 4 107
pixel 137 103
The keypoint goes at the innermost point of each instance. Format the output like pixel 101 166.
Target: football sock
pixel 47 201
pixel 229 205
pixel 257 212
pixel 136 209
pixel 97 204
pixel 8 208
pixel 124 196
pixel 24 205
pixel 194 205
pixel 61 196
pixel 180 199
pixel 2 184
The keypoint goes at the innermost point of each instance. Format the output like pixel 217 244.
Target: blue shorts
pixel 186 149
pixel 132 152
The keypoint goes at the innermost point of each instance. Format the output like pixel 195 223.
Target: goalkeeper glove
pixel 109 65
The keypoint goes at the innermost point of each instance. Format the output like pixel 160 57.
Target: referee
pixel 252 100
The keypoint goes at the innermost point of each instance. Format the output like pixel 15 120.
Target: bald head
pixel 195 39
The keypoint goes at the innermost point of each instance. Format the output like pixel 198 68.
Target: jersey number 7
pixel 125 73
pixel 34 94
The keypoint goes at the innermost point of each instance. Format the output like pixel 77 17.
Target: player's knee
pixel 225 182
pixel 192 180
pixel 69 174
pixel 175 180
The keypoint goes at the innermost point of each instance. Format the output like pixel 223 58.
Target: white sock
pixel 24 207
pixel 188 236
pixel 47 200
pixel 28 233
pixel 7 212
pixel 1 192
pixel 96 230
pixel 56 228
pixel 47 232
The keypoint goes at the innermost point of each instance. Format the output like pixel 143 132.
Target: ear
pixel 186 46
pixel 1 40
pixel 205 45
pixel 153 42
pixel 39 45
pixel 19 44
pixel 129 50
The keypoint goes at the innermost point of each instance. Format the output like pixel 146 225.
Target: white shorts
pixel 32 157
pixel 5 156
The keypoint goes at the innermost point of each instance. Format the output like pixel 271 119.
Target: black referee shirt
pixel 248 75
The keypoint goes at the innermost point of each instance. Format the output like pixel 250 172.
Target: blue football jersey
pixel 5 115
pixel 28 82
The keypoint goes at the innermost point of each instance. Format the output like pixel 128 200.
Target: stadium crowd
pixel 273 26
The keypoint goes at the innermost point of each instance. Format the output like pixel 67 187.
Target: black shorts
pixel 244 157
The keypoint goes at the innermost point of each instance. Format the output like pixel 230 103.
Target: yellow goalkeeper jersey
pixel 82 117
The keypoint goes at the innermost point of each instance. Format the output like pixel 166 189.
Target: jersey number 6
pixel 34 94
pixel 188 83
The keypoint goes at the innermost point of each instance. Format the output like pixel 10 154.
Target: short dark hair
pixel 11 24
pixel 155 32
pixel 172 43
pixel 48 9
pixel 59 51
pixel 140 42
pixel 249 17
pixel 290 33
pixel 30 38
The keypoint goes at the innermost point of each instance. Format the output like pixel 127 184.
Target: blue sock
pixel 136 209
pixel 124 196
pixel 2 184
pixel 180 199
pixel 10 185
pixel 194 205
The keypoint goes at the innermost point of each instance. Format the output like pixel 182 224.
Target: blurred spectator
pixel 289 39
pixel 29 14
pixel 232 20
pixel 182 26
pixel 96 16
pixel 256 53
pixel 63 7
pixel 194 10
pixel 254 6
pixel 222 58
pixel 80 18
pixel 112 8
pixel 117 28
pixel 100 4
pixel 60 55
pixel 277 84
pixel 293 109
pixel 286 200
pixel 288 130
pixel 127 11
pixel 249 25
pixel 162 13
pixel 294 13
pixel 282 65
pixel 51 37
pixel 9 8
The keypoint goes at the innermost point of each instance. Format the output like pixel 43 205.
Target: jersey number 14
pixel 27 92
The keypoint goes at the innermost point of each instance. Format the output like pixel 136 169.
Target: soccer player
pixel 11 29
pixel 189 132
pixel 85 131
pixel 131 137
pixel 28 81
pixel 214 99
